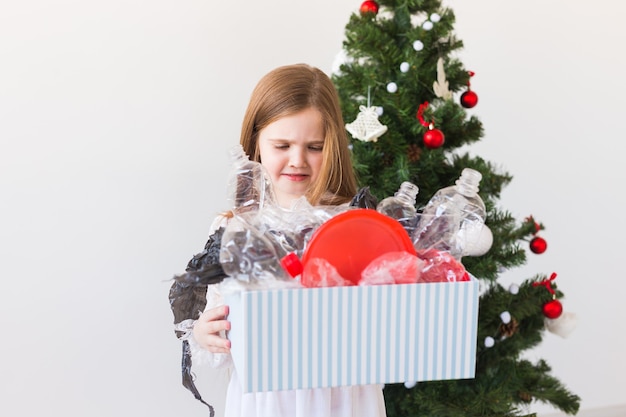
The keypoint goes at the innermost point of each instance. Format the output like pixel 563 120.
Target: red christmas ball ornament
pixel 433 138
pixel 369 7
pixel 538 245
pixel 469 99
pixel 552 309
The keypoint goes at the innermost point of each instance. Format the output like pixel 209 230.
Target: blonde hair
pixel 288 90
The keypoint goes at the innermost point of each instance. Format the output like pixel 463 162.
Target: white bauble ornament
pixel 410 384
pixel 404 67
pixel 427 25
pixel 392 87
pixel 418 45
pixel 514 289
pixel 563 325
pixel 379 110
pixel 435 17
pixel 476 238
pixel 505 316
pixel 489 341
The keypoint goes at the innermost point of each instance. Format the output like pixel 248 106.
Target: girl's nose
pixel 297 158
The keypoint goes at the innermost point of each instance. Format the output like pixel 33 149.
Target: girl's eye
pixel 282 146
pixel 316 148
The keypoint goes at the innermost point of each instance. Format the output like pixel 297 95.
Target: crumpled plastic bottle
pixel 453 217
pixel 401 206
pixel 248 252
pixel 249 183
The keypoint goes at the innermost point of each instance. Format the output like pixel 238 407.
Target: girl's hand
pixel 210 329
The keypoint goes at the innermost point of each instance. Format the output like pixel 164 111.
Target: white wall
pixel 115 121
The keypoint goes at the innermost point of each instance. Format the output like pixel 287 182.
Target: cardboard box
pixel 327 337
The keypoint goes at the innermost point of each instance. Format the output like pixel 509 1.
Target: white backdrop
pixel 115 122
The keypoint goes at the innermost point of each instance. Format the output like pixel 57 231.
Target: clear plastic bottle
pixel 453 216
pixel 249 184
pixel 248 251
pixel 401 206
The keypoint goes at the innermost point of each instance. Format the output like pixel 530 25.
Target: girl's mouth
pixel 296 177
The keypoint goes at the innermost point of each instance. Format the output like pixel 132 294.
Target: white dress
pixel 349 401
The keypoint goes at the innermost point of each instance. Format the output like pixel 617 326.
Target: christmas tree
pixel 405 97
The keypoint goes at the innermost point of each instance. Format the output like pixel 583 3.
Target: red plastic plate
pixel 351 240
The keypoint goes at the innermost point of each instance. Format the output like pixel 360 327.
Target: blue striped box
pixel 327 337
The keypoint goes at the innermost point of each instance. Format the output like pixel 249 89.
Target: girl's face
pixel 291 151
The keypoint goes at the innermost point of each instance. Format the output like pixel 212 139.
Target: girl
pixel 294 127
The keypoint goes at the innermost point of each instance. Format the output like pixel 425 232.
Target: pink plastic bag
pixel 392 268
pixel 441 266
pixel 318 272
